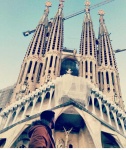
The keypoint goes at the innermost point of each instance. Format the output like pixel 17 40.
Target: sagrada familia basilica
pixel 83 89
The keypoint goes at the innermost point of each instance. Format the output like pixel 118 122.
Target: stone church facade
pixel 83 89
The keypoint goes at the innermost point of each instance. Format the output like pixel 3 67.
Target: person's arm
pixel 41 135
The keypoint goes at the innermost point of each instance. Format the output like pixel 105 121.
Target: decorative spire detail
pixel 61 3
pixel 101 13
pixel 87 4
pixel 48 4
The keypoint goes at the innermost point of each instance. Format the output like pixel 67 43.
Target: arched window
pixel 86 66
pixel 108 141
pixel 69 64
pixel 91 67
pixel 55 62
pixel 70 146
pixel 51 60
pixel 107 77
pixel 99 79
pixel 35 67
pixel 2 142
pixel 39 72
pixel 112 75
pixel 102 77
pixel 45 66
pixel 29 68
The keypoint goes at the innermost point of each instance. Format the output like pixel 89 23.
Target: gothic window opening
pixel 107 77
pixel 51 60
pixel 45 66
pixel 39 72
pixel 86 66
pixel 99 79
pixel 69 64
pixel 29 67
pixel 102 77
pixel 55 62
pixel 108 141
pixel 70 146
pixel 112 75
pixel 91 67
pixel 35 67
pixel 2 142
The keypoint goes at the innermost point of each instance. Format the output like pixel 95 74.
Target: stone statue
pixel 69 71
pixel 67 136
pixel 60 143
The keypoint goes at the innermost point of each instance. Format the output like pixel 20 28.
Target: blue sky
pixel 17 16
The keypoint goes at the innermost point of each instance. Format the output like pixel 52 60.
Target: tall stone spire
pixel 31 69
pixel 54 45
pixel 108 76
pixel 88 47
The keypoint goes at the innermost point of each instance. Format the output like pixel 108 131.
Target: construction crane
pixel 92 7
pixel 119 50
pixel 26 33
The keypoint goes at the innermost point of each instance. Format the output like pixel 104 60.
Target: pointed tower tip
pixel 61 3
pixel 101 12
pixel 87 3
pixel 48 4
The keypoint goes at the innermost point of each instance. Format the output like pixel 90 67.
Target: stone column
pixel 53 65
pixel 49 104
pixel 93 109
pixel 116 121
pixel 8 119
pixel 17 112
pixel 122 124
pixel 48 63
pixel 100 108
pixel 43 95
pixel 26 106
pixel 109 119
pixel 34 102
pixel 1 118
pixel 57 66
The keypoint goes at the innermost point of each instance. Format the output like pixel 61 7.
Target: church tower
pixel 108 76
pixel 30 74
pixel 88 47
pixel 54 47
pixel 60 79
